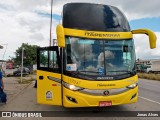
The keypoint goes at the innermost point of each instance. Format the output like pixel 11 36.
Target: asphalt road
pixel 149 100
pixel 149 89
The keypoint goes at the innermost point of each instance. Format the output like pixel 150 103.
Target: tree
pixel 43 59
pixel 29 57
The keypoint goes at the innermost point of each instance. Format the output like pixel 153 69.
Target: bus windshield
pixel 95 57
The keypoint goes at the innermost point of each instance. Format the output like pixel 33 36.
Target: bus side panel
pixel 49 88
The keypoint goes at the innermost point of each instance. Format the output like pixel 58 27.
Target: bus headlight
pixel 132 86
pixel 75 88
pixel 72 87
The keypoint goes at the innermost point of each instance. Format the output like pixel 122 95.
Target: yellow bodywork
pixel 110 84
pixel 45 85
pixel 97 34
pixel 61 32
pixel 50 89
pixel 60 36
pixel 83 100
pixel 151 34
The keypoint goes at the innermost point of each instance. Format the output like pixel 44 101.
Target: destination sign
pixel 97 34
pixel 94 34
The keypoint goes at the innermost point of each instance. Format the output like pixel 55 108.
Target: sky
pixel 28 21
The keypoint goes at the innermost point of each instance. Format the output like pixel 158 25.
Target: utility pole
pixel 51 24
pixel 22 64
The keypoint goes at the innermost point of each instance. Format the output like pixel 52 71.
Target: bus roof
pixel 94 17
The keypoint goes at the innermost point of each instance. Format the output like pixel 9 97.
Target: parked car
pixel 18 71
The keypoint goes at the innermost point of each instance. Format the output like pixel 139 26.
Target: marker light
pixel 132 86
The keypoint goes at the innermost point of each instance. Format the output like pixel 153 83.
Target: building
pixel 142 65
pixel 152 65
pixel 155 66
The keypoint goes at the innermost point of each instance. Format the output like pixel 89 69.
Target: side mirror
pixel 151 34
pixel 60 36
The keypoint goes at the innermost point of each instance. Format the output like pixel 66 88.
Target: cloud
pixel 142 47
pixel 19 25
pixel 136 9
pixel 21 22
pixel 80 48
pixel 108 55
pixel 133 9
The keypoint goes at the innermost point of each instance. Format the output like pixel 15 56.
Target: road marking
pixel 149 100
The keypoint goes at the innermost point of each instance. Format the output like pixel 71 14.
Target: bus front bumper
pixel 78 99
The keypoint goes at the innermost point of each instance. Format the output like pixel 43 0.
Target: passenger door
pixel 48 76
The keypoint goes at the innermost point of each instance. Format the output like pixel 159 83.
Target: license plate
pixel 105 103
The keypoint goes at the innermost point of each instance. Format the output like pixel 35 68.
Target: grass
pixel 150 76
pixel 34 72
pixel 25 80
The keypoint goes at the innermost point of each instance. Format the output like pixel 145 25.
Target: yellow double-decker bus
pixel 94 62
